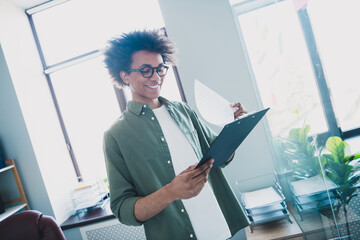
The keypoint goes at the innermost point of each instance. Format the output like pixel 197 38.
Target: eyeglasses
pixel 148 72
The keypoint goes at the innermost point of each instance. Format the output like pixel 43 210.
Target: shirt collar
pixel 137 108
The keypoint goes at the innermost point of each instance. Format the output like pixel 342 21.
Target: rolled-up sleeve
pixel 122 191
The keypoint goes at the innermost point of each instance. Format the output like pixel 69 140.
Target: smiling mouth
pixel 153 86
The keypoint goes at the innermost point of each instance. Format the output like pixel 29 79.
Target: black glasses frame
pixel 152 69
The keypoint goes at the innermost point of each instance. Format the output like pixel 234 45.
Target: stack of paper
pixel 261 198
pixel 316 192
pixel 265 205
pixel 88 195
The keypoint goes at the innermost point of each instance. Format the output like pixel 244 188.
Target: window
pixel 338 43
pixel 304 63
pixel 282 67
pixel 70 36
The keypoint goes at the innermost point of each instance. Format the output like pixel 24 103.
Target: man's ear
pixel 125 77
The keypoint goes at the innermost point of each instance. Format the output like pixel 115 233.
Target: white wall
pixel 37 108
pixel 210 50
pixel 15 142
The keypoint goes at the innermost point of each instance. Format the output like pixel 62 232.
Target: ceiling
pixel 25 4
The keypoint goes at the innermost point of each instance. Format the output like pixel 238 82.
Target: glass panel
pixel 282 68
pixel 284 76
pixel 336 28
pixel 340 163
pixel 77 27
pixel 88 106
pixel 313 193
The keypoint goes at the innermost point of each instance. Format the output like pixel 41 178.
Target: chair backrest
pixel 31 225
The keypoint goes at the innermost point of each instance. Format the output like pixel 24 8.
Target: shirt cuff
pixel 127 212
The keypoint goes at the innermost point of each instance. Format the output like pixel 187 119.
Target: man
pixel 151 151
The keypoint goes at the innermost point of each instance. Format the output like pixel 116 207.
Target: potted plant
pixel 299 153
pixel 344 171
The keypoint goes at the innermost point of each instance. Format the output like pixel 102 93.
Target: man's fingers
pixel 203 167
pixel 204 173
pixel 193 172
pixel 239 114
pixel 202 177
pixel 239 110
pixel 190 168
pixel 239 107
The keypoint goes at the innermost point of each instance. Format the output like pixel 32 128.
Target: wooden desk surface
pixel 277 230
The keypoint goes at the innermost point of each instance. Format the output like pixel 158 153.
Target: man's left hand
pixel 239 110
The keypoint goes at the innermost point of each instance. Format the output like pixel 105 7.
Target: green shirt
pixel 139 163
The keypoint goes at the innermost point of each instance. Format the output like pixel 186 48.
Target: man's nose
pixel 155 76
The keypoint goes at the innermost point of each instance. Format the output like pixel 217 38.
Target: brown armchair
pixel 30 225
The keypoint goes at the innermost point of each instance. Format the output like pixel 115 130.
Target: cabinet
pixel 17 204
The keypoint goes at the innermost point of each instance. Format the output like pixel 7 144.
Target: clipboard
pixel 230 138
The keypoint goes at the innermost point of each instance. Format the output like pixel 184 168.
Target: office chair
pixel 30 225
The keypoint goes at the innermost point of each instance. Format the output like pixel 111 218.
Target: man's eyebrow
pixel 148 65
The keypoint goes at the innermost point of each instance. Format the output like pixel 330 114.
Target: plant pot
pixel 331 230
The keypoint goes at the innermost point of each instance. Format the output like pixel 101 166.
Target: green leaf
pixel 350 158
pixel 336 146
pixel 338 172
pixel 329 156
pixel 301 153
pixel 295 134
pixel 307 130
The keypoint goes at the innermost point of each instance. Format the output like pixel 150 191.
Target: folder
pixel 230 138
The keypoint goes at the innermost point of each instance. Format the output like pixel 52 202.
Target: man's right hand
pixel 189 182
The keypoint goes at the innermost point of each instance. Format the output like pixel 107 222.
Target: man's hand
pixel 189 182
pixel 239 110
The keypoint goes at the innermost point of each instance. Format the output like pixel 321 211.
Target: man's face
pixel 144 90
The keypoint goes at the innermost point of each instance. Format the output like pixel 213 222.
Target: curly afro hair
pixel 119 51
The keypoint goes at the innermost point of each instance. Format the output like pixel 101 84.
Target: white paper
pixel 262 197
pixel 312 185
pixel 213 108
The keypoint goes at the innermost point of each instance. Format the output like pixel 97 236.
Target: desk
pixel 97 214
pixel 281 229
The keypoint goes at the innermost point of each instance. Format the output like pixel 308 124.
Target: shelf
pixel 261 198
pixel 312 186
pixel 269 217
pixel 14 205
pixel 268 209
pixel 6 168
pixel 11 210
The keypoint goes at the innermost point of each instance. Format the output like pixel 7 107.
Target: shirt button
pixel 152 118
pixel 143 113
pixel 144 106
pixel 169 162
pixel 182 210
pixel 162 139
pixel 191 236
